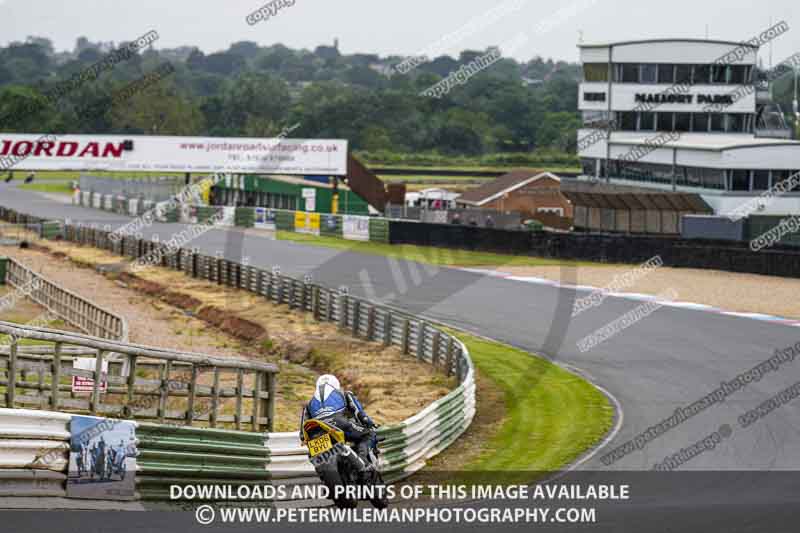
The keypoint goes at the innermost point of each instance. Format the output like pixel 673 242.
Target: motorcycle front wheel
pixel 381 502
pixel 330 476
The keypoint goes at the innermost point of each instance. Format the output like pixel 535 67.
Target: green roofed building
pixel 288 192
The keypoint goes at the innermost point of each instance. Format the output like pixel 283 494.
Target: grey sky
pixel 402 28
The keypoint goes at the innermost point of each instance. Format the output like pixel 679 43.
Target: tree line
pixel 251 90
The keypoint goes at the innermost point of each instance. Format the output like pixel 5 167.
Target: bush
pixel 537 158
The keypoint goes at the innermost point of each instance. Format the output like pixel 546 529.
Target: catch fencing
pixel 407 445
pixel 73 309
pixel 154 189
pixel 778 260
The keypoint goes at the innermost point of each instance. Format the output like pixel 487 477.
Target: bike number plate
pixel 320 445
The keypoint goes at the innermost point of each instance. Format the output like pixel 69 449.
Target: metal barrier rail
pixel 75 310
pixel 25 437
pixel 408 445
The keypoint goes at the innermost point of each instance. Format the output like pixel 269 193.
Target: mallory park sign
pixel 661 98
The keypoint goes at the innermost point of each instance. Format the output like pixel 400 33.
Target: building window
pixel 595 72
pixel 694 176
pixel 736 122
pixel 649 73
pixel 739 74
pixel 588 166
pixel 700 122
pixel 760 180
pixel 683 73
pixel 555 210
pixel 683 121
pixel 717 122
pixel 664 121
pixel 595 119
pixel 782 175
pixel 714 178
pixel 627 121
pixel 594 97
pixel 740 180
pixel 719 74
pixel 630 73
pixel 666 74
pixel 647 121
pixel 702 75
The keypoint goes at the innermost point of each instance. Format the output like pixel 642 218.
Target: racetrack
pixel 667 360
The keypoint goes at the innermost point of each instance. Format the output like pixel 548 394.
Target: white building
pixel 685 115
pixel 432 199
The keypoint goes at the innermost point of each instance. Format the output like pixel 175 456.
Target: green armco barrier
pixel 175 455
pixel 204 214
pixel 284 220
pixel 379 230
pixel 244 217
pixel 3 270
pixel 330 225
pixel 51 230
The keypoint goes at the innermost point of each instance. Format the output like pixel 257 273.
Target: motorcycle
pixel 337 464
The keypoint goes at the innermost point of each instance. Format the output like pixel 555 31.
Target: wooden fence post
pixel 56 376
pixel 387 328
pixel 192 395
pixel 371 323
pixel 356 316
pixel 11 388
pixel 315 301
pixel 212 419
pixel 256 400
pixel 421 340
pixel 343 305
pixel 131 385
pixel 239 398
pixel 98 378
pixel 449 361
pixel 270 401
pixel 405 337
pixel 166 371
pixel 435 355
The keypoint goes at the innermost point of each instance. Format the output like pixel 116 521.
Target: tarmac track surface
pixel 670 359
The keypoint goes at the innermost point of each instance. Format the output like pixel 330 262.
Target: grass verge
pixel 427 254
pixel 478 168
pixel 55 188
pixel 548 418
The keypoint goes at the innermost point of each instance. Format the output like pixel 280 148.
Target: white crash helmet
pixel 325 386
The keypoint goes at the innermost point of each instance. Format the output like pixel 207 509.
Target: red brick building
pixel 531 193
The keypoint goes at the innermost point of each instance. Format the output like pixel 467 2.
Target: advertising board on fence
pixel 306 222
pixel 81 384
pixel 102 459
pixel 175 154
pixel 264 219
pixel 189 214
pixel 310 197
pixel 228 216
pixel 355 228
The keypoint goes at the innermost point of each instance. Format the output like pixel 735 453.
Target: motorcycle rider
pixel 342 409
